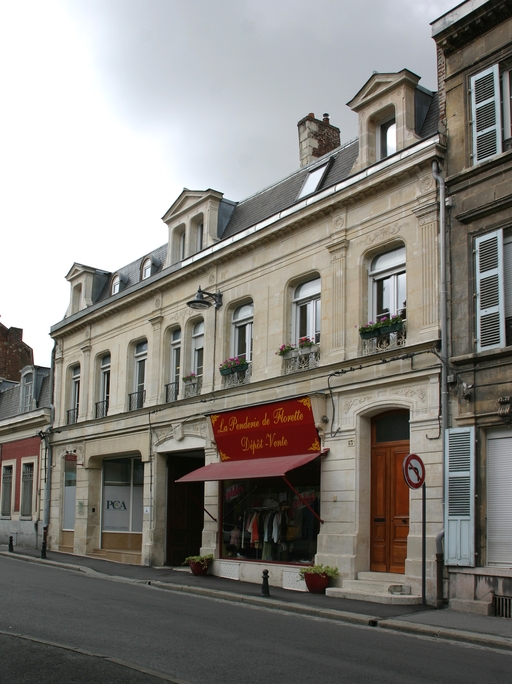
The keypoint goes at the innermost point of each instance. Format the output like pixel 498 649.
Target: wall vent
pixel 503 606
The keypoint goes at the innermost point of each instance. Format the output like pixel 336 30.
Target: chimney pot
pixel 326 118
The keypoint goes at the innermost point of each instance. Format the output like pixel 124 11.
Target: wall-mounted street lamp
pixel 200 302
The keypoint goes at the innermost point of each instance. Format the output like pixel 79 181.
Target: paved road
pixel 203 641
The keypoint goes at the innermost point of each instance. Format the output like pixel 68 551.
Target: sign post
pixel 414 475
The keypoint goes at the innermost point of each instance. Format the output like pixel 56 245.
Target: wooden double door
pixel 389 508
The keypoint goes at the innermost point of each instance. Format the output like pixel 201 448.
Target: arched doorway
pixel 389 507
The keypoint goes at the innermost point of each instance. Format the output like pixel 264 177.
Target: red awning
pixel 244 470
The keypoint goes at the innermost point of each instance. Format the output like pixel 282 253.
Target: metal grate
pixel 503 606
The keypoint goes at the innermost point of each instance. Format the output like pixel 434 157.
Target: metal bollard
pixel 43 549
pixel 11 547
pixel 264 585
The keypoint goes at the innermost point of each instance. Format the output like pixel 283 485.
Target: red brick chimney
pixel 316 138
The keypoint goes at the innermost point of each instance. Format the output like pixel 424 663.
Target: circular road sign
pixel 414 471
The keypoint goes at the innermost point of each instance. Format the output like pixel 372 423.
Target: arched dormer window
pixel 116 284
pixel 146 268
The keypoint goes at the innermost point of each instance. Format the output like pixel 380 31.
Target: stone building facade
pixel 474 43
pixel 145 384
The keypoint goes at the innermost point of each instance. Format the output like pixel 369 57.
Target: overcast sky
pixel 111 107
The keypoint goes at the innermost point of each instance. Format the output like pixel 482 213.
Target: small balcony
pixel 304 358
pixel 72 416
pixel 193 387
pixel 101 408
pixel 384 341
pixel 238 377
pixel 136 400
pixel 171 391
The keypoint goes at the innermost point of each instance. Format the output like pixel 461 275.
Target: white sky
pixel 111 107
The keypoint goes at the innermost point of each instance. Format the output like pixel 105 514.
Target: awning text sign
pixel 280 429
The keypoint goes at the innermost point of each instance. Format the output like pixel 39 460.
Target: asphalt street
pixel 200 640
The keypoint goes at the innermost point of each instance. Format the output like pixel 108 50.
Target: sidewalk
pixel 443 624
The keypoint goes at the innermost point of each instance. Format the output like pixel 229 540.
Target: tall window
pixel 138 396
pixel 386 138
pixel 68 517
pixel 74 395
pixel 493 254
pixel 175 366
pixel 306 303
pixel 27 392
pixel 199 237
pixel 198 348
pixel 5 508
pixel 27 489
pixel 102 405
pixel 146 269
pixel 242 331
pixel 123 480
pixel 387 284
pixel 116 285
pixel 181 246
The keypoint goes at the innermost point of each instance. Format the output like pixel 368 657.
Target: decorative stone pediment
pixel 380 85
pixel 189 200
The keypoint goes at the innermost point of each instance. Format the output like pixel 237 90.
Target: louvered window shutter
pixel 485 114
pixel 460 497
pixel 490 297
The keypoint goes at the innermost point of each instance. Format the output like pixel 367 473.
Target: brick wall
pixel 14 353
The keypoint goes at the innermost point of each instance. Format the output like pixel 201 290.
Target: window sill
pixel 5 517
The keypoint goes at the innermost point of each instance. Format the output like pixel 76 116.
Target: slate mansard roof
pixel 266 203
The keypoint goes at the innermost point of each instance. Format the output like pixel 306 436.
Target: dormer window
pixel 146 269
pixel 313 181
pixel 386 134
pixel 116 285
pixel 27 392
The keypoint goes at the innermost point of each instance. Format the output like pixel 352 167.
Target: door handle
pixel 405 520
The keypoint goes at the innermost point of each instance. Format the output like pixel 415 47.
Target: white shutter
pixel 490 298
pixel 485 114
pixel 499 500
pixel 460 497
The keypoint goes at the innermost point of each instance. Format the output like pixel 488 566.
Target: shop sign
pixel 283 428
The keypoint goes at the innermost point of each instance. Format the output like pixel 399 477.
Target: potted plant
pixel 191 377
pixel 370 330
pixel 317 577
pixel 391 324
pixel 199 564
pixel 233 365
pixel 307 345
pixel 287 350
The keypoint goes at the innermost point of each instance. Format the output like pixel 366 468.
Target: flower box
pixel 241 368
pixel 226 371
pixel 308 349
pixel 369 334
pixel 392 327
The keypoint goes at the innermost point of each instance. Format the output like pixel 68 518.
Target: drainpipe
pixel 48 448
pixel 443 313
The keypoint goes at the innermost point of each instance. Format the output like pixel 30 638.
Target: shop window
pixel 265 520
pixel 123 481
pixel 172 388
pixel 104 386
pixel 27 392
pixel 491 120
pixel 69 502
pixel 27 489
pixel 7 481
pixel 72 414
pixel 493 255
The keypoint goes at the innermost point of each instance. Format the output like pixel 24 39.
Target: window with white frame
pixel 199 236
pixel 490 112
pixel 104 387
pixel 146 268
pixel 116 285
pixel 140 355
pixel 74 395
pixel 27 489
pixel 242 331
pixel 7 482
pixel 313 180
pixel 27 392
pixel 307 310
pixel 181 246
pixel 175 366
pixel 198 348
pixel 388 285
pixel 386 138
pixel 493 266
